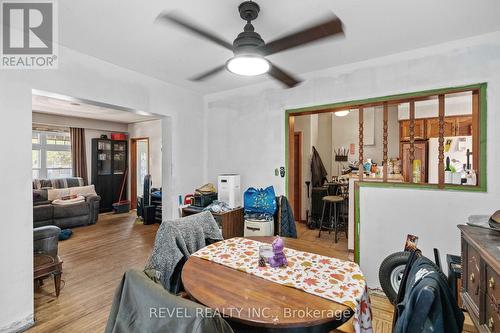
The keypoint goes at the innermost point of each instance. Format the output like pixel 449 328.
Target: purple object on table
pixel 279 259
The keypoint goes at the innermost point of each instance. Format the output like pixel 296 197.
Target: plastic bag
pixel 260 200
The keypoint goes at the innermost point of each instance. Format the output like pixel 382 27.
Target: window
pixel 51 154
pixel 433 138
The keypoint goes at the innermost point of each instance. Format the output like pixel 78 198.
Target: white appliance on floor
pixel 258 228
pixel 229 190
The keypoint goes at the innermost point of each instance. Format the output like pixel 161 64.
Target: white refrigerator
pixel 455 148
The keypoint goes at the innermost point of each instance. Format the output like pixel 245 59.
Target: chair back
pixel 46 240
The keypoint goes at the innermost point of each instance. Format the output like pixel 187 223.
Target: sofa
pixel 45 212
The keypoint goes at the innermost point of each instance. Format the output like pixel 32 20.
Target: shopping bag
pixel 260 201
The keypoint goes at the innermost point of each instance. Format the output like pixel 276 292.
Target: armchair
pixel 46 261
pixel 46 239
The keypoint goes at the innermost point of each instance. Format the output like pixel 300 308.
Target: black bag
pixel 317 194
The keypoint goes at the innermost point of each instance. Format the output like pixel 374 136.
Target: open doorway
pixel 139 167
pixel 82 163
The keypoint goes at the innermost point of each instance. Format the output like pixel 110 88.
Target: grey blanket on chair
pixel 176 240
pixel 141 305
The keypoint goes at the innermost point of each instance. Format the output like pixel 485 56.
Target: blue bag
pixel 260 201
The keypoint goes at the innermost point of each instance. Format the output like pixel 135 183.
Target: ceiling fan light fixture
pixel 342 113
pixel 248 65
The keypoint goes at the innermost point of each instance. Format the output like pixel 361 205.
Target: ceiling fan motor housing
pixel 248 41
pixel 249 10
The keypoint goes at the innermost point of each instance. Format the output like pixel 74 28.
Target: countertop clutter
pixel 374 177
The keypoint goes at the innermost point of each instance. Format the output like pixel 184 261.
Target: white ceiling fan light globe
pixel 342 113
pixel 248 65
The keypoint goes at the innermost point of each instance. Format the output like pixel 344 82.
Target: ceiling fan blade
pixel 197 30
pixel 209 73
pixel 282 76
pixel 327 28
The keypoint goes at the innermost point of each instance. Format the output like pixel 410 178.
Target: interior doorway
pixel 297 166
pixel 139 167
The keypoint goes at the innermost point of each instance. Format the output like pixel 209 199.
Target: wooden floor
pixel 326 241
pixel 95 258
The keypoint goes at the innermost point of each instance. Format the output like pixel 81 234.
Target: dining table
pixel 252 303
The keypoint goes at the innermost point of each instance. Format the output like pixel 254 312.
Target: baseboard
pixel 19 326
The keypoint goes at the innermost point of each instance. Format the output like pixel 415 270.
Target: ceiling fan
pixel 249 48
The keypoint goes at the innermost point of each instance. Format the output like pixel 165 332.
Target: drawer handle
pixel 472 277
pixel 491 283
pixel 491 324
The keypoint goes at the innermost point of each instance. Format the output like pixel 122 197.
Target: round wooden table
pixel 251 301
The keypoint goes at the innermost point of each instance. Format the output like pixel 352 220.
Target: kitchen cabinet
pixel 463 126
pixel 429 127
pixel 404 129
pixel 433 127
pixel 420 153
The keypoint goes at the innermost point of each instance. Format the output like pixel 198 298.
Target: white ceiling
pixel 124 33
pixel 72 108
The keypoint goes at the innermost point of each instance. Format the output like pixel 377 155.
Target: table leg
pixel 57 282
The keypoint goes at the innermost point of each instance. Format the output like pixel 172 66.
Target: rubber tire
pixel 384 274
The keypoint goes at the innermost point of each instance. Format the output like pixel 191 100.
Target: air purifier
pixel 229 190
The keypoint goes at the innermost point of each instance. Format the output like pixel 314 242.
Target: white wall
pixel 152 130
pixel 324 145
pixel 345 131
pixel 85 77
pixel 454 105
pixel 252 141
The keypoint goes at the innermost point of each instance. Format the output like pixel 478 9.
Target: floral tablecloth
pixel 334 279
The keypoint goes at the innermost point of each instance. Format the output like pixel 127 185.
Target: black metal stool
pixel 332 200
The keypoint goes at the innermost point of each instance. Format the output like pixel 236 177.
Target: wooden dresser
pixel 231 222
pixel 481 277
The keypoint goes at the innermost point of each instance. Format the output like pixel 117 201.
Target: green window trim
pixel 481 187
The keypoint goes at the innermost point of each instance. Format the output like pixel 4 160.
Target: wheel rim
pixel 396 277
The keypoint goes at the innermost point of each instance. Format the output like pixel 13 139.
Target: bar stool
pixel 331 200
